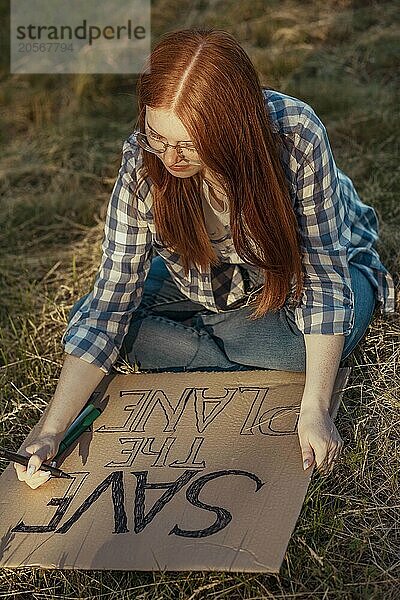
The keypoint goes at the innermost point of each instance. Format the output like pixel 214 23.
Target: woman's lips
pixel 177 168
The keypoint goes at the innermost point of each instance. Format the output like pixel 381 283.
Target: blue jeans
pixel 170 332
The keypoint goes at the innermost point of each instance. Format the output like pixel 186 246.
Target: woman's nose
pixel 171 156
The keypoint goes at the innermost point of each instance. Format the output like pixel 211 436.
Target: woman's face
pixel 165 124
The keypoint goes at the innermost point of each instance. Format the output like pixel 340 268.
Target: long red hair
pixel 206 78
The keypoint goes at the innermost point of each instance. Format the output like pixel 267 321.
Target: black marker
pixel 23 460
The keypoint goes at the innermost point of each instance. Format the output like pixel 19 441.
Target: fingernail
pixel 306 464
pixel 31 470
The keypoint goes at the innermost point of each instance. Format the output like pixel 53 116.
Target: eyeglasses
pixel 155 144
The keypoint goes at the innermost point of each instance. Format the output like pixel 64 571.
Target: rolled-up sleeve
pixel 96 331
pixel 327 302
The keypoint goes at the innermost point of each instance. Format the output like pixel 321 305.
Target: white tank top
pixel 217 223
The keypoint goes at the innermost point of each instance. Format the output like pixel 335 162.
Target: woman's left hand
pixel 319 439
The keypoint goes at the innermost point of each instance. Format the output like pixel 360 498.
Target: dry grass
pixel 61 144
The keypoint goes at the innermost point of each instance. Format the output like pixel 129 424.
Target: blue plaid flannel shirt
pixel 336 228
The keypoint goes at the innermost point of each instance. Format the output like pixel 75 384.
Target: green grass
pixel 61 142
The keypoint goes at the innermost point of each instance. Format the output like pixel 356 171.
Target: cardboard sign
pixel 181 471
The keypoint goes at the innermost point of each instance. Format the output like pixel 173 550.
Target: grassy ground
pixel 61 143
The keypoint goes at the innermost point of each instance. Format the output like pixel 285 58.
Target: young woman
pixel 232 241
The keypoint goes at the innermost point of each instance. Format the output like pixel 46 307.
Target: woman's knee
pixel 364 308
pixel 265 343
pixel 155 342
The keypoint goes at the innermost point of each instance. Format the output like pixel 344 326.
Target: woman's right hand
pixel 43 448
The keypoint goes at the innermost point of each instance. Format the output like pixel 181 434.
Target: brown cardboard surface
pixel 182 471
